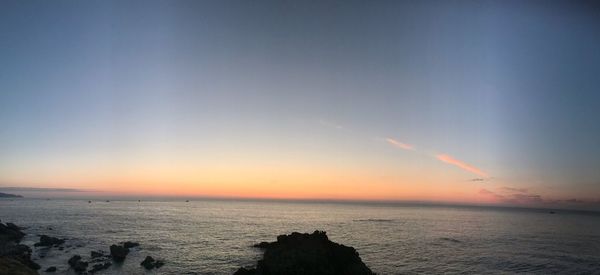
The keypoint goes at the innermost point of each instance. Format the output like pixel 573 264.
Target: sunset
pixel 445 119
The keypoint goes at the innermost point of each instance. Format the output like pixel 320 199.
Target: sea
pixel 216 236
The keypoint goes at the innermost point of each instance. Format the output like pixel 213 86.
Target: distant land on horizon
pixel 6 195
pixel 103 199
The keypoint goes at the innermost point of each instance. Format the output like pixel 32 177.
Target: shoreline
pixel 296 253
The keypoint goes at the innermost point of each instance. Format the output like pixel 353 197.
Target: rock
pixel 98 267
pixel 314 253
pixel 118 252
pixel 262 245
pixel 49 241
pixel 159 263
pixel 20 253
pixel 12 266
pixel 77 264
pixel 15 257
pixel 10 233
pixel 150 263
pixel 51 269
pixel 130 244
pixel 13 226
pixel 96 254
pixel 246 271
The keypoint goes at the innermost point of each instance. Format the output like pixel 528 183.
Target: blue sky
pixel 509 87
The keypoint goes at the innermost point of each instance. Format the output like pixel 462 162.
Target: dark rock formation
pixel 10 233
pixel 49 241
pixel 307 254
pixel 13 226
pixel 101 266
pixel 19 252
pixel 96 254
pixel 5 195
pixel 51 269
pixel 118 252
pixel 77 264
pixel 150 263
pixel 130 244
pixel 15 258
pixel 10 266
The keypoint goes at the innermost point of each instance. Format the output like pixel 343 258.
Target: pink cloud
pixel 399 144
pixel 462 165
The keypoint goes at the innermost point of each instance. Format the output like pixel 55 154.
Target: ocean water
pixel 215 237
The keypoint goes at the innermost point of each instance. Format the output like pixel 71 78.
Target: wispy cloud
pixel 521 196
pixel 462 165
pixel 512 189
pixel 399 144
pixel 492 194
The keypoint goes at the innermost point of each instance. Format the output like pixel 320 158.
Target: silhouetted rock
pixel 118 252
pixel 10 233
pixel 19 252
pixel 96 254
pixel 150 263
pixel 130 244
pixel 11 266
pixel 101 266
pixel 307 254
pixel 51 269
pixel 15 258
pixel 12 226
pixel 49 241
pixel 263 245
pixel 77 264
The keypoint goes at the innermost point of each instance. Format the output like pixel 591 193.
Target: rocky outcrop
pixel 15 258
pixel 10 266
pixel 314 253
pixel 77 264
pixel 118 252
pixel 49 241
pixel 150 263
pixel 9 232
pixel 99 267
pixel 96 254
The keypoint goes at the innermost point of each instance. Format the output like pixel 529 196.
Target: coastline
pixel 297 253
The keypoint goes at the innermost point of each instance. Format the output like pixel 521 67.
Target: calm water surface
pixel 214 237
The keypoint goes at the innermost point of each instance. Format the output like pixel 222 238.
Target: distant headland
pixel 6 195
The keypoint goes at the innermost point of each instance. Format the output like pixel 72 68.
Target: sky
pixel 491 102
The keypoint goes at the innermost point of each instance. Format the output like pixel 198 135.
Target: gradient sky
pixel 456 101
